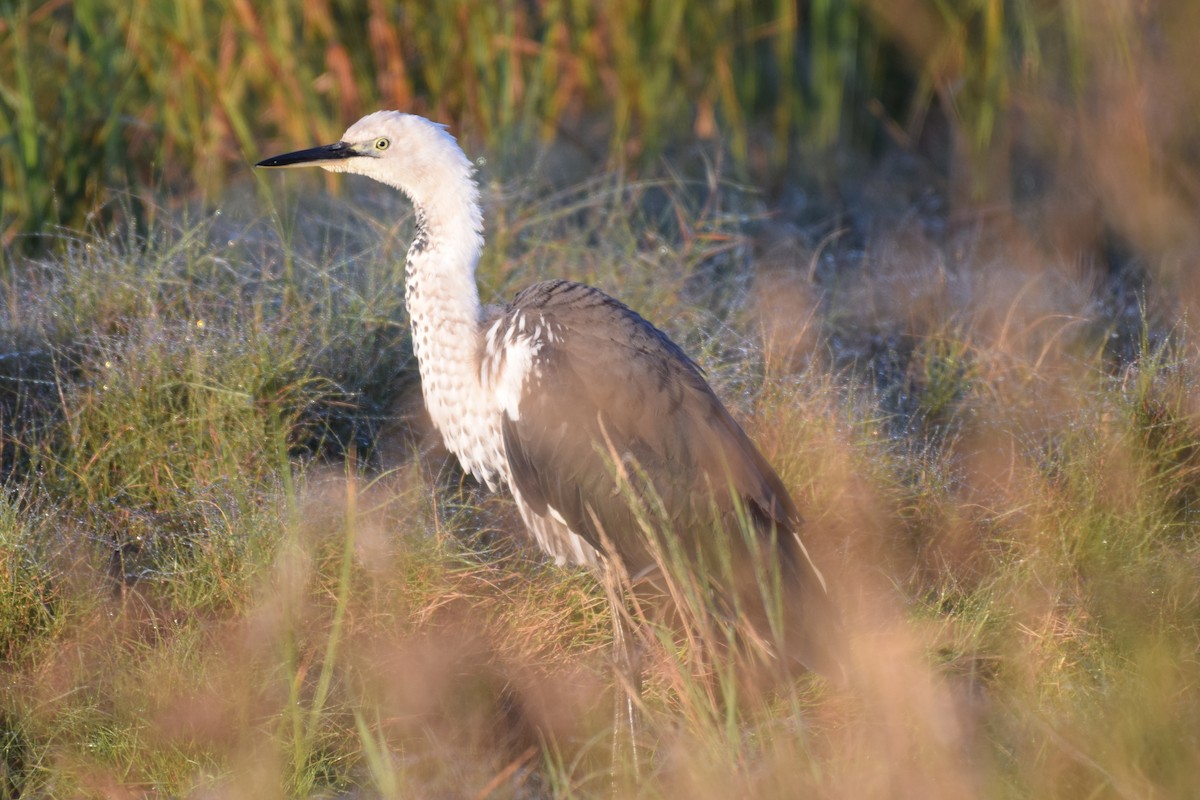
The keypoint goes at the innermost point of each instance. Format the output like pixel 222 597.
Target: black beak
pixel 312 157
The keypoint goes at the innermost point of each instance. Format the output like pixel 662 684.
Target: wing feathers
pixel 616 426
pixel 614 391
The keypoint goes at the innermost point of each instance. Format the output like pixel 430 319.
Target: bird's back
pixel 612 436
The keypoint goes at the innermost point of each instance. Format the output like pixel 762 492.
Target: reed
pixel 96 97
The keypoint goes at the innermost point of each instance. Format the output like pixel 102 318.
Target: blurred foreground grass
pixel 233 562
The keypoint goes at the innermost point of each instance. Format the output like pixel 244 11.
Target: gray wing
pixel 611 395
pixel 616 428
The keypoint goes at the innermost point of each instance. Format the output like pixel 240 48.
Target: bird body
pixel 593 418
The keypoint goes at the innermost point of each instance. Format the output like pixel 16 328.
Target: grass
pixel 191 89
pixel 233 560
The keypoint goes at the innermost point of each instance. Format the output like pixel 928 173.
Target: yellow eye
pixel 381 144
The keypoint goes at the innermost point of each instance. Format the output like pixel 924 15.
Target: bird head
pixel 408 152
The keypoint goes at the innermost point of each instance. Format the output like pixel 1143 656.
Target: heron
pixel 592 417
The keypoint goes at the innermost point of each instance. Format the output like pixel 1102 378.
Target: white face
pixel 408 152
pixel 376 136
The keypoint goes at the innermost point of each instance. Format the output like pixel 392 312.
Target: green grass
pixel 233 561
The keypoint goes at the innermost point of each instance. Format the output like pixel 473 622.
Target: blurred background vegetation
pixel 182 94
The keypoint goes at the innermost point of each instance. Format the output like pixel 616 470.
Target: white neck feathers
pixel 443 303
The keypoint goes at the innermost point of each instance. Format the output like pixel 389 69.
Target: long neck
pixel 440 290
pixel 443 306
